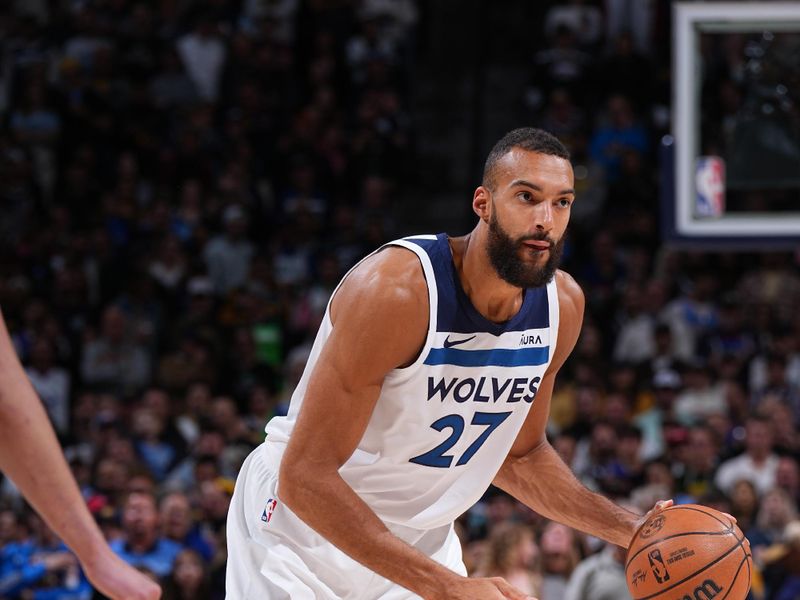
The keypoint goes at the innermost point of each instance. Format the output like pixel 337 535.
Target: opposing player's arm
pixel 535 474
pixel 31 456
pixel 380 322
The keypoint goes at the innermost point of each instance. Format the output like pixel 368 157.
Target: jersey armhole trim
pixel 555 314
pixel 427 273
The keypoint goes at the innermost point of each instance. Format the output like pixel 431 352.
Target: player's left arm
pixel 535 474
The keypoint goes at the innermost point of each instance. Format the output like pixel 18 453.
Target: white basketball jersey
pixel 443 426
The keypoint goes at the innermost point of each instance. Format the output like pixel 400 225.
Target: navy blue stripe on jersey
pixel 497 357
pixel 456 314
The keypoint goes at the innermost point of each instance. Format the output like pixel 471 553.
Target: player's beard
pixel 504 254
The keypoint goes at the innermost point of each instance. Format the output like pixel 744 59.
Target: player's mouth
pixel 537 245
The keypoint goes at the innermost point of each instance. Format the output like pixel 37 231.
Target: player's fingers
pixel 662 504
pixel 731 517
pixel 509 591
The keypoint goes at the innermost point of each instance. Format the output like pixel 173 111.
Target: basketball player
pixel 31 456
pixel 429 379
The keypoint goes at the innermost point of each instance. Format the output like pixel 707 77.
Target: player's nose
pixel 543 216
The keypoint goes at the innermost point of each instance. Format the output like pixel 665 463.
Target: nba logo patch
pixel 270 506
pixel 710 183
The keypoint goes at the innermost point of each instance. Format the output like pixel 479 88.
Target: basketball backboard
pixel 731 169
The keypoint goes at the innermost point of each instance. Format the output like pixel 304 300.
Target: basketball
pixel 689 552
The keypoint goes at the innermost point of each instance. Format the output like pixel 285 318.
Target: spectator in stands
pixel 191 362
pixel 172 86
pixel 178 524
pixel 744 503
pixel 756 464
pixel 667 352
pixel 114 361
pixel 627 468
pixel 700 462
pixel 601 576
pixel 776 511
pixel 731 341
pixel 51 382
pixel 787 477
pixel 784 429
pixel 581 17
pixel 782 342
pixel 560 556
pixel 142 544
pixel 701 397
pixel 214 499
pixel 228 256
pixel 594 459
pixel 782 565
pixel 622 133
pixel 203 54
pixel 561 65
pixel 152 447
pixel 40 565
pixel 665 387
pixel 511 553
pixel 778 387
pixel 109 478
pixel 189 579
pixel 774 285
pixel 204 458
pixel 635 340
pixel 200 316
pixel 626 71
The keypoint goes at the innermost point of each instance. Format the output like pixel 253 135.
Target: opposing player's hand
pixel 118 580
pixel 484 588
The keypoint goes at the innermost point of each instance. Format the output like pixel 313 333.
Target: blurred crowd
pixel 182 185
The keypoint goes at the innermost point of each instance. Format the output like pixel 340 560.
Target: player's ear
pixel 481 204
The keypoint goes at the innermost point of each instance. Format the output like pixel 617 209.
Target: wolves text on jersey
pixel 483 389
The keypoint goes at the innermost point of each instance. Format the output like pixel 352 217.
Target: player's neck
pixel 492 297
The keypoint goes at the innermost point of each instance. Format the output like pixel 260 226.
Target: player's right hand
pixel 485 588
pixel 116 579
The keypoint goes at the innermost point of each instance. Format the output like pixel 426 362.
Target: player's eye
pixel 525 196
pixel 564 203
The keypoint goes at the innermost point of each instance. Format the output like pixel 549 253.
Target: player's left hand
pixel 660 506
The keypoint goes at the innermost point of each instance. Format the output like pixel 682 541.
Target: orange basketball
pixel 689 552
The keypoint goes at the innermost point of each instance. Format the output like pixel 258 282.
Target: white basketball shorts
pixel 273 554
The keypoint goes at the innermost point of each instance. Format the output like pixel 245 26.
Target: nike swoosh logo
pixel 449 344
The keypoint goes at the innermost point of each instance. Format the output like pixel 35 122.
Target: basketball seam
pixel 705 512
pixel 688 577
pixel 749 572
pixel 735 575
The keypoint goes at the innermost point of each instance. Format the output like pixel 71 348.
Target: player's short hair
pixel 527 138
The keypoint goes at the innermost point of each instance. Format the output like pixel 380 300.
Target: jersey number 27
pixel 436 457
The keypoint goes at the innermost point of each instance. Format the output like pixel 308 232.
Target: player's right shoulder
pixel 389 280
